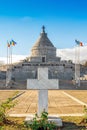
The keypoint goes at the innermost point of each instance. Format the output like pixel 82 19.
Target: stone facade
pixel 43 54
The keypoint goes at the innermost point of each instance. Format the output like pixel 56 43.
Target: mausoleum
pixel 43 53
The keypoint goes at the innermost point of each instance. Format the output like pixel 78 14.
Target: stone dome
pixel 43 40
pixel 43 47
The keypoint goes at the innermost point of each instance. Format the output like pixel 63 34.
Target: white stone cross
pixel 42 84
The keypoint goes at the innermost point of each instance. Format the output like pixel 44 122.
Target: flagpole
pixel 7 64
pixel 7 55
pixel 11 55
pixel 77 64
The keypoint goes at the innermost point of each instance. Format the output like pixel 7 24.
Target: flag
pixel 12 42
pixel 8 44
pixel 79 43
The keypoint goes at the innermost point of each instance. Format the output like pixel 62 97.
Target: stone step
pixel 51 119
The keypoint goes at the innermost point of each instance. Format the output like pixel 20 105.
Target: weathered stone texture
pixel 43 54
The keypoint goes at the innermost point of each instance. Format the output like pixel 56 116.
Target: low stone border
pixel 19 94
pixel 57 115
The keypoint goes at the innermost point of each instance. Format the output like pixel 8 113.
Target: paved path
pixel 59 103
pixel 75 99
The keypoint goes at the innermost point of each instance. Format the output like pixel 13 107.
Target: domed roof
pixel 43 40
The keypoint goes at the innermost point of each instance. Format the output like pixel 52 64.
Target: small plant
pixel 3 108
pixel 85 114
pixel 84 120
pixel 40 123
pixel 1 128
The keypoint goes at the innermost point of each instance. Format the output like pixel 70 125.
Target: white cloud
pixel 72 53
pixel 65 54
pixel 15 58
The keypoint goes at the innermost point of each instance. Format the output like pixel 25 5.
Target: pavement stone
pixel 59 103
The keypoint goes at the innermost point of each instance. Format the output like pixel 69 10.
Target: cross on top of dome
pixel 43 29
pixel 43 40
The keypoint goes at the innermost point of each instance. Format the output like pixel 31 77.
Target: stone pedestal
pixel 56 120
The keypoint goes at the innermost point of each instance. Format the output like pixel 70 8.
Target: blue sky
pixel 21 20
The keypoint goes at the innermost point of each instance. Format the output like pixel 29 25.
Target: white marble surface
pixel 42 101
pixel 57 121
pixel 54 119
pixel 42 82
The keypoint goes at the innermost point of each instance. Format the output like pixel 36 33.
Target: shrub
pixel 3 108
pixel 85 114
pixel 40 123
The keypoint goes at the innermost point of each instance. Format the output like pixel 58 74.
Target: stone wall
pixel 2 83
pixel 48 52
pixel 2 75
pixel 29 70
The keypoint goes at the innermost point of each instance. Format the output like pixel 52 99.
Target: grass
pixel 73 123
pixel 69 123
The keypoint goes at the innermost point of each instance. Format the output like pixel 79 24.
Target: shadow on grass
pixel 73 126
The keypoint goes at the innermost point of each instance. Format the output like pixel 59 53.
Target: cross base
pixel 55 119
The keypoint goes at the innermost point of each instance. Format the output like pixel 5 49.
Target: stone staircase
pixel 63 85
pixel 18 84
pixel 71 85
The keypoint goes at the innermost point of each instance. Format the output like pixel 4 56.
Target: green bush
pixel 85 114
pixel 3 108
pixel 40 123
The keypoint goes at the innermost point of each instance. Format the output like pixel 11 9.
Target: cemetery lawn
pixel 69 123
pixel 5 94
